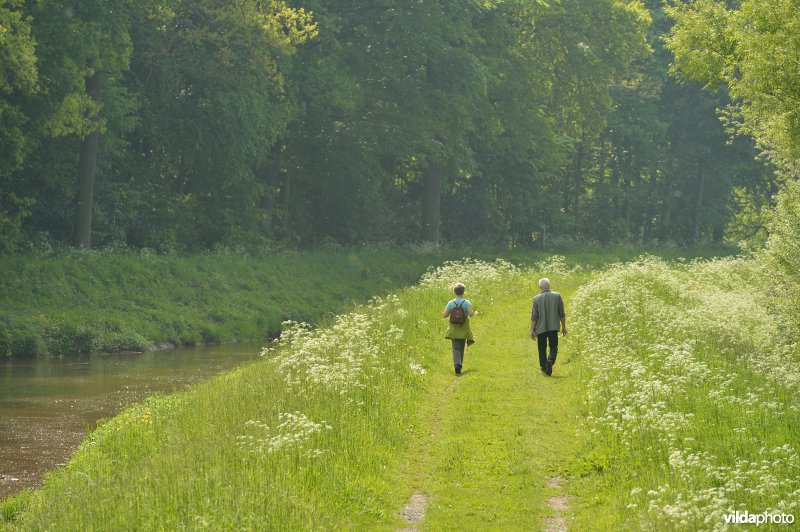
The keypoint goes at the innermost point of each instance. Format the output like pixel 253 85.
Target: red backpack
pixel 458 315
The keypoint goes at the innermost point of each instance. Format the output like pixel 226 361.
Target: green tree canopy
pixel 186 125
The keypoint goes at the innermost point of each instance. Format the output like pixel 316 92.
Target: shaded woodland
pixel 185 125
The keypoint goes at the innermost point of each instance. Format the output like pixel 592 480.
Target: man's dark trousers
pixel 542 338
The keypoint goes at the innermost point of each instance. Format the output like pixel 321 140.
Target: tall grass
pixel 317 434
pixel 692 397
pixel 97 301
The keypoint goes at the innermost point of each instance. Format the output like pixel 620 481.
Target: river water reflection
pixel 47 405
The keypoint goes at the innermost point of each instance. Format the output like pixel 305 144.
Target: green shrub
pixel 67 339
pixel 110 341
pixel 210 334
pixel 13 506
pixel 5 341
pixel 27 343
pixel 783 255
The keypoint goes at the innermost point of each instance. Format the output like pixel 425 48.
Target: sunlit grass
pixel 504 431
pixel 674 402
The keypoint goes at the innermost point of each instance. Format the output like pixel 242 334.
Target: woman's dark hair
pixel 459 289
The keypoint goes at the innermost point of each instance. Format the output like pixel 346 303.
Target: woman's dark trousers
pixel 458 354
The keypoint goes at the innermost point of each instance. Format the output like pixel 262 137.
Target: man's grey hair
pixel 544 283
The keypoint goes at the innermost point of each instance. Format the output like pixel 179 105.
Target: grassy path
pixel 502 435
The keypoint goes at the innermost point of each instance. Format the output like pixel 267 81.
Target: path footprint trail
pixel 559 504
pixel 414 510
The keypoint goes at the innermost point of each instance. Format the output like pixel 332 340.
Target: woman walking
pixel 459 310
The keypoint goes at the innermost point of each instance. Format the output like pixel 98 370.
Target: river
pixel 48 405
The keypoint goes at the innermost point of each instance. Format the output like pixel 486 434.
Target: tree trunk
pixel 87 169
pixel 626 191
pixel 565 191
pixel 717 234
pixel 603 162
pixel 627 210
pixel 431 202
pixel 271 180
pixel 180 179
pixel 286 196
pixel 268 202
pixel 649 226
pixel 666 212
pixel 578 181
pixel 615 183
pixel 698 203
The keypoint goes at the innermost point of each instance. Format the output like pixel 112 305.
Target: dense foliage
pixel 182 125
pixel 750 49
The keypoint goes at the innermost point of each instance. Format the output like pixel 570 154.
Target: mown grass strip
pixel 504 429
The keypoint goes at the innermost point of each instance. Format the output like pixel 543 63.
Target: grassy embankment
pixel 98 301
pixel 94 302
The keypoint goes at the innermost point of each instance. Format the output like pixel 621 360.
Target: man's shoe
pixel 549 368
pixel 458 369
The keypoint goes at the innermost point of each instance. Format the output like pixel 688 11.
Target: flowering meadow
pixel 692 395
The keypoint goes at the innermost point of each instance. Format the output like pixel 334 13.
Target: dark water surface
pixel 47 405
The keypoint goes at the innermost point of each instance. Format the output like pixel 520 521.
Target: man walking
pixel 546 316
